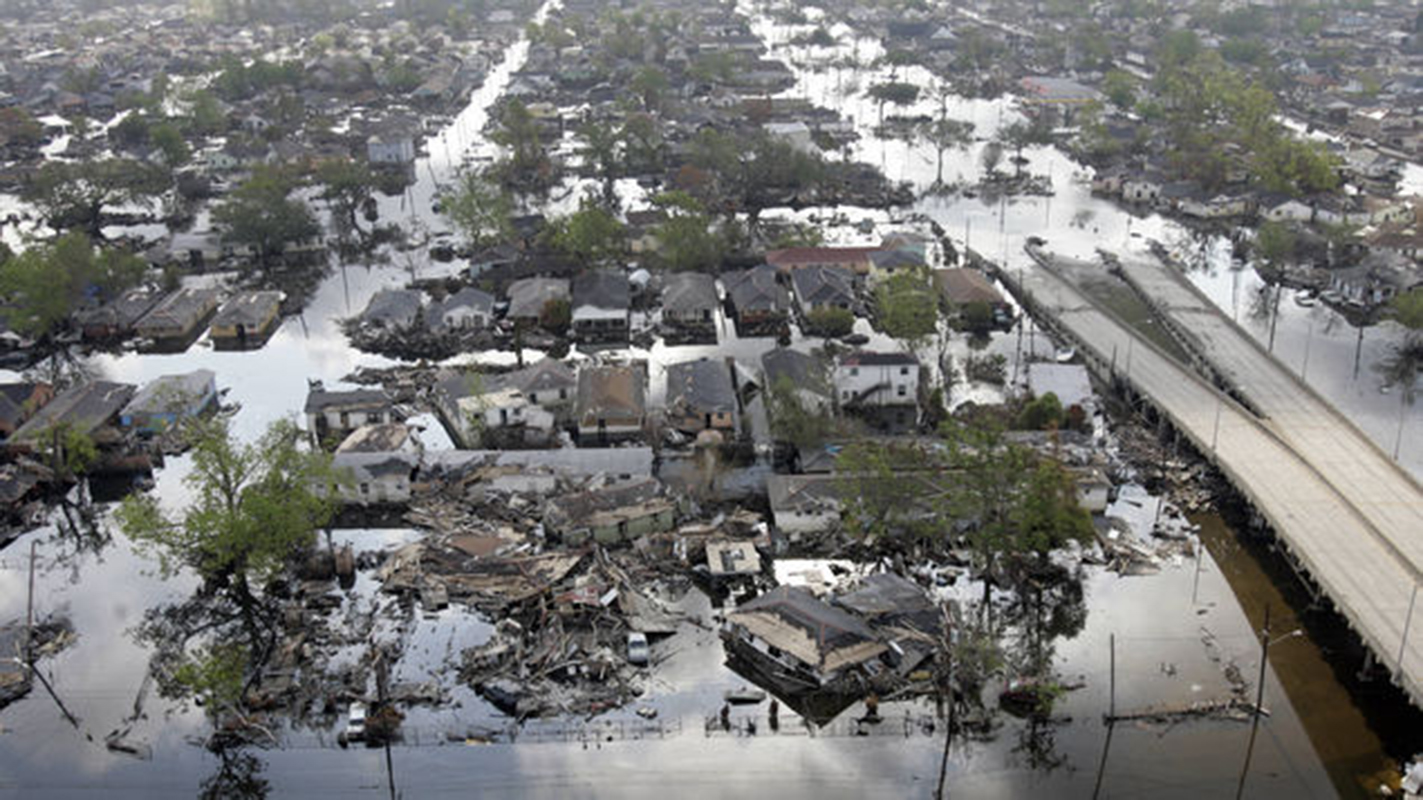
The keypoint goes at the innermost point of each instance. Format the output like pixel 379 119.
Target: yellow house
pixel 247 318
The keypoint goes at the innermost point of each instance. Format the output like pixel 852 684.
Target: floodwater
pixel 1172 633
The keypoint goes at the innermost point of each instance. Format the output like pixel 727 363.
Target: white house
pixel 877 379
pixel 1141 190
pixel 378 462
pixel 390 148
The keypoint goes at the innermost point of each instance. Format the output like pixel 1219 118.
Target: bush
pixel 830 322
pixel 1042 414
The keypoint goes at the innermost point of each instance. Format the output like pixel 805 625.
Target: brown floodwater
pixel 1348 720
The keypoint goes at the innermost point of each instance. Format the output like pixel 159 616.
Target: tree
pixel 1042 414
pixel 166 137
pixel 347 185
pixel 1408 310
pixel 601 154
pixel 907 306
pixel 556 315
pixel 830 322
pixel 791 421
pixel 649 83
pixel 261 215
pixel 69 451
pixel 45 283
pixel 479 209
pixel 686 239
pixel 74 194
pixel 255 507
pixel 518 133
pixel 990 158
pixel 18 127
pixel 1120 87
pixel 590 234
pixel 944 134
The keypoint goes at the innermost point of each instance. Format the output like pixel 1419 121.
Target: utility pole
pixel 30 615
pixel 1259 703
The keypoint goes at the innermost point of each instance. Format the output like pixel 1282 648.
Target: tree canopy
pixel 479 209
pixel 261 214
pixel 46 283
pixel 75 194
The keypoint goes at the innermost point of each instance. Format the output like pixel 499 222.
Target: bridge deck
pixel 1358 547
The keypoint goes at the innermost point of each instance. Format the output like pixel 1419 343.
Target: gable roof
pixel 601 289
pixel 794 620
pixel 699 387
pixel 756 289
pixel 688 291
pixel 611 393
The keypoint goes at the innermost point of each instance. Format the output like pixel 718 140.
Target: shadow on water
pixel 1362 729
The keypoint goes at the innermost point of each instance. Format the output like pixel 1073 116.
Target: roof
pixel 375 465
pixel 181 309
pixel 85 407
pixel 601 289
pixel 393 306
pixel 611 392
pixel 824 285
pixel 792 257
pixel 688 291
pixel 733 558
pixel 318 399
pixel 812 494
pixel 172 393
pixel 527 296
pixel 793 620
pixel 756 289
pixel 579 462
pixel 248 308
pixel 806 372
pixel 1068 382
pixel 383 438
pixel 963 285
pixel 869 358
pixel 896 258
pixel 700 387
pixel 123 311
pixel 1058 90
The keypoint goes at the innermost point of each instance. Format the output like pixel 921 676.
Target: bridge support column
pixel 1366 672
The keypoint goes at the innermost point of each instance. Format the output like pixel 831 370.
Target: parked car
pixel 356 722
pixel 637 649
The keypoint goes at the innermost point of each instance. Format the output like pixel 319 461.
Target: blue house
pixel 169 399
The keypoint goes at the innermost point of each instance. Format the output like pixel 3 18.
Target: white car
pixel 637 648
pixel 356 722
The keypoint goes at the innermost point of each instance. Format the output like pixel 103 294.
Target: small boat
pixel 744 696
pixel 1064 355
pixel 1305 299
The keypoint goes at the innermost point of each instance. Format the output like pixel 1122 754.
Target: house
pixel 885 263
pixel 179 317
pixel 390 147
pixel 375 478
pixel 531 398
pixel 85 409
pixel 855 259
pixel 528 297
pixel 701 396
pixel 1376 280
pixel 169 399
pixel 883 385
pixel 467 309
pixel 1286 210
pixel 759 303
pixel 1041 90
pixel 600 306
pixel 789 631
pixel 380 437
pixel 689 302
pixel 804 504
pixel 611 514
pixel 334 414
pixel 817 288
pixel 1144 189
pixel 393 309
pixel 501 255
pixel 796 134
pixel 611 403
pixel 246 320
pixel 19 402
pixel 804 373
pixel 963 287
pixel 116 319
pixel 1069 383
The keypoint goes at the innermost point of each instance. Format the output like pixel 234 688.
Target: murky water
pixel 1162 624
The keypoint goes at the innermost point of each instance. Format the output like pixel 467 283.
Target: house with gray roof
pixel 331 413
pixel 179 318
pixel 529 296
pixel 819 287
pixel 393 309
pixel 689 302
pixel 166 400
pixel 759 303
pixel 611 403
pixel 85 408
pixel 465 310
pixel 601 300
pixel 701 396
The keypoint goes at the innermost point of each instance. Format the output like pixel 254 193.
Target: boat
pixel 744 696
pixel 1064 355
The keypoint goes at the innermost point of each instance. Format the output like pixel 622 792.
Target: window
pixel 904 370
pixel 365 488
pixel 562 394
pixel 845 394
pixel 854 371
pixel 534 397
pixel 902 390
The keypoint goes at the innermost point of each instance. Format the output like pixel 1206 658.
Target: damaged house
pixel 379 463
pixel 881 387
pixel 611 514
pixel 472 405
pixel 335 414
pixel 799 643
pixel 611 404
pixel 701 396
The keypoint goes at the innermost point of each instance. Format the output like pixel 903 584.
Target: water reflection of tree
pixel 238 775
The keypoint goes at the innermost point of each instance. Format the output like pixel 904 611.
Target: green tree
pixel 650 84
pixel 602 153
pixel 946 134
pixel 830 322
pixel 590 234
pixel 261 215
pixel 69 451
pixel 1120 87
pixel 1408 309
pixel 686 239
pixel 346 184
pixel 907 306
pixel 479 209
pixel 74 194
pixel 44 284
pixel 526 163
pixel 1042 414
pixel 791 420
pixel 254 508
pixel 169 140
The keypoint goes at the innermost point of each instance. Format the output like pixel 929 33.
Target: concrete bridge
pixel 1350 518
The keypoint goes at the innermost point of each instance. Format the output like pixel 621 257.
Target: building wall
pixel 903 389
